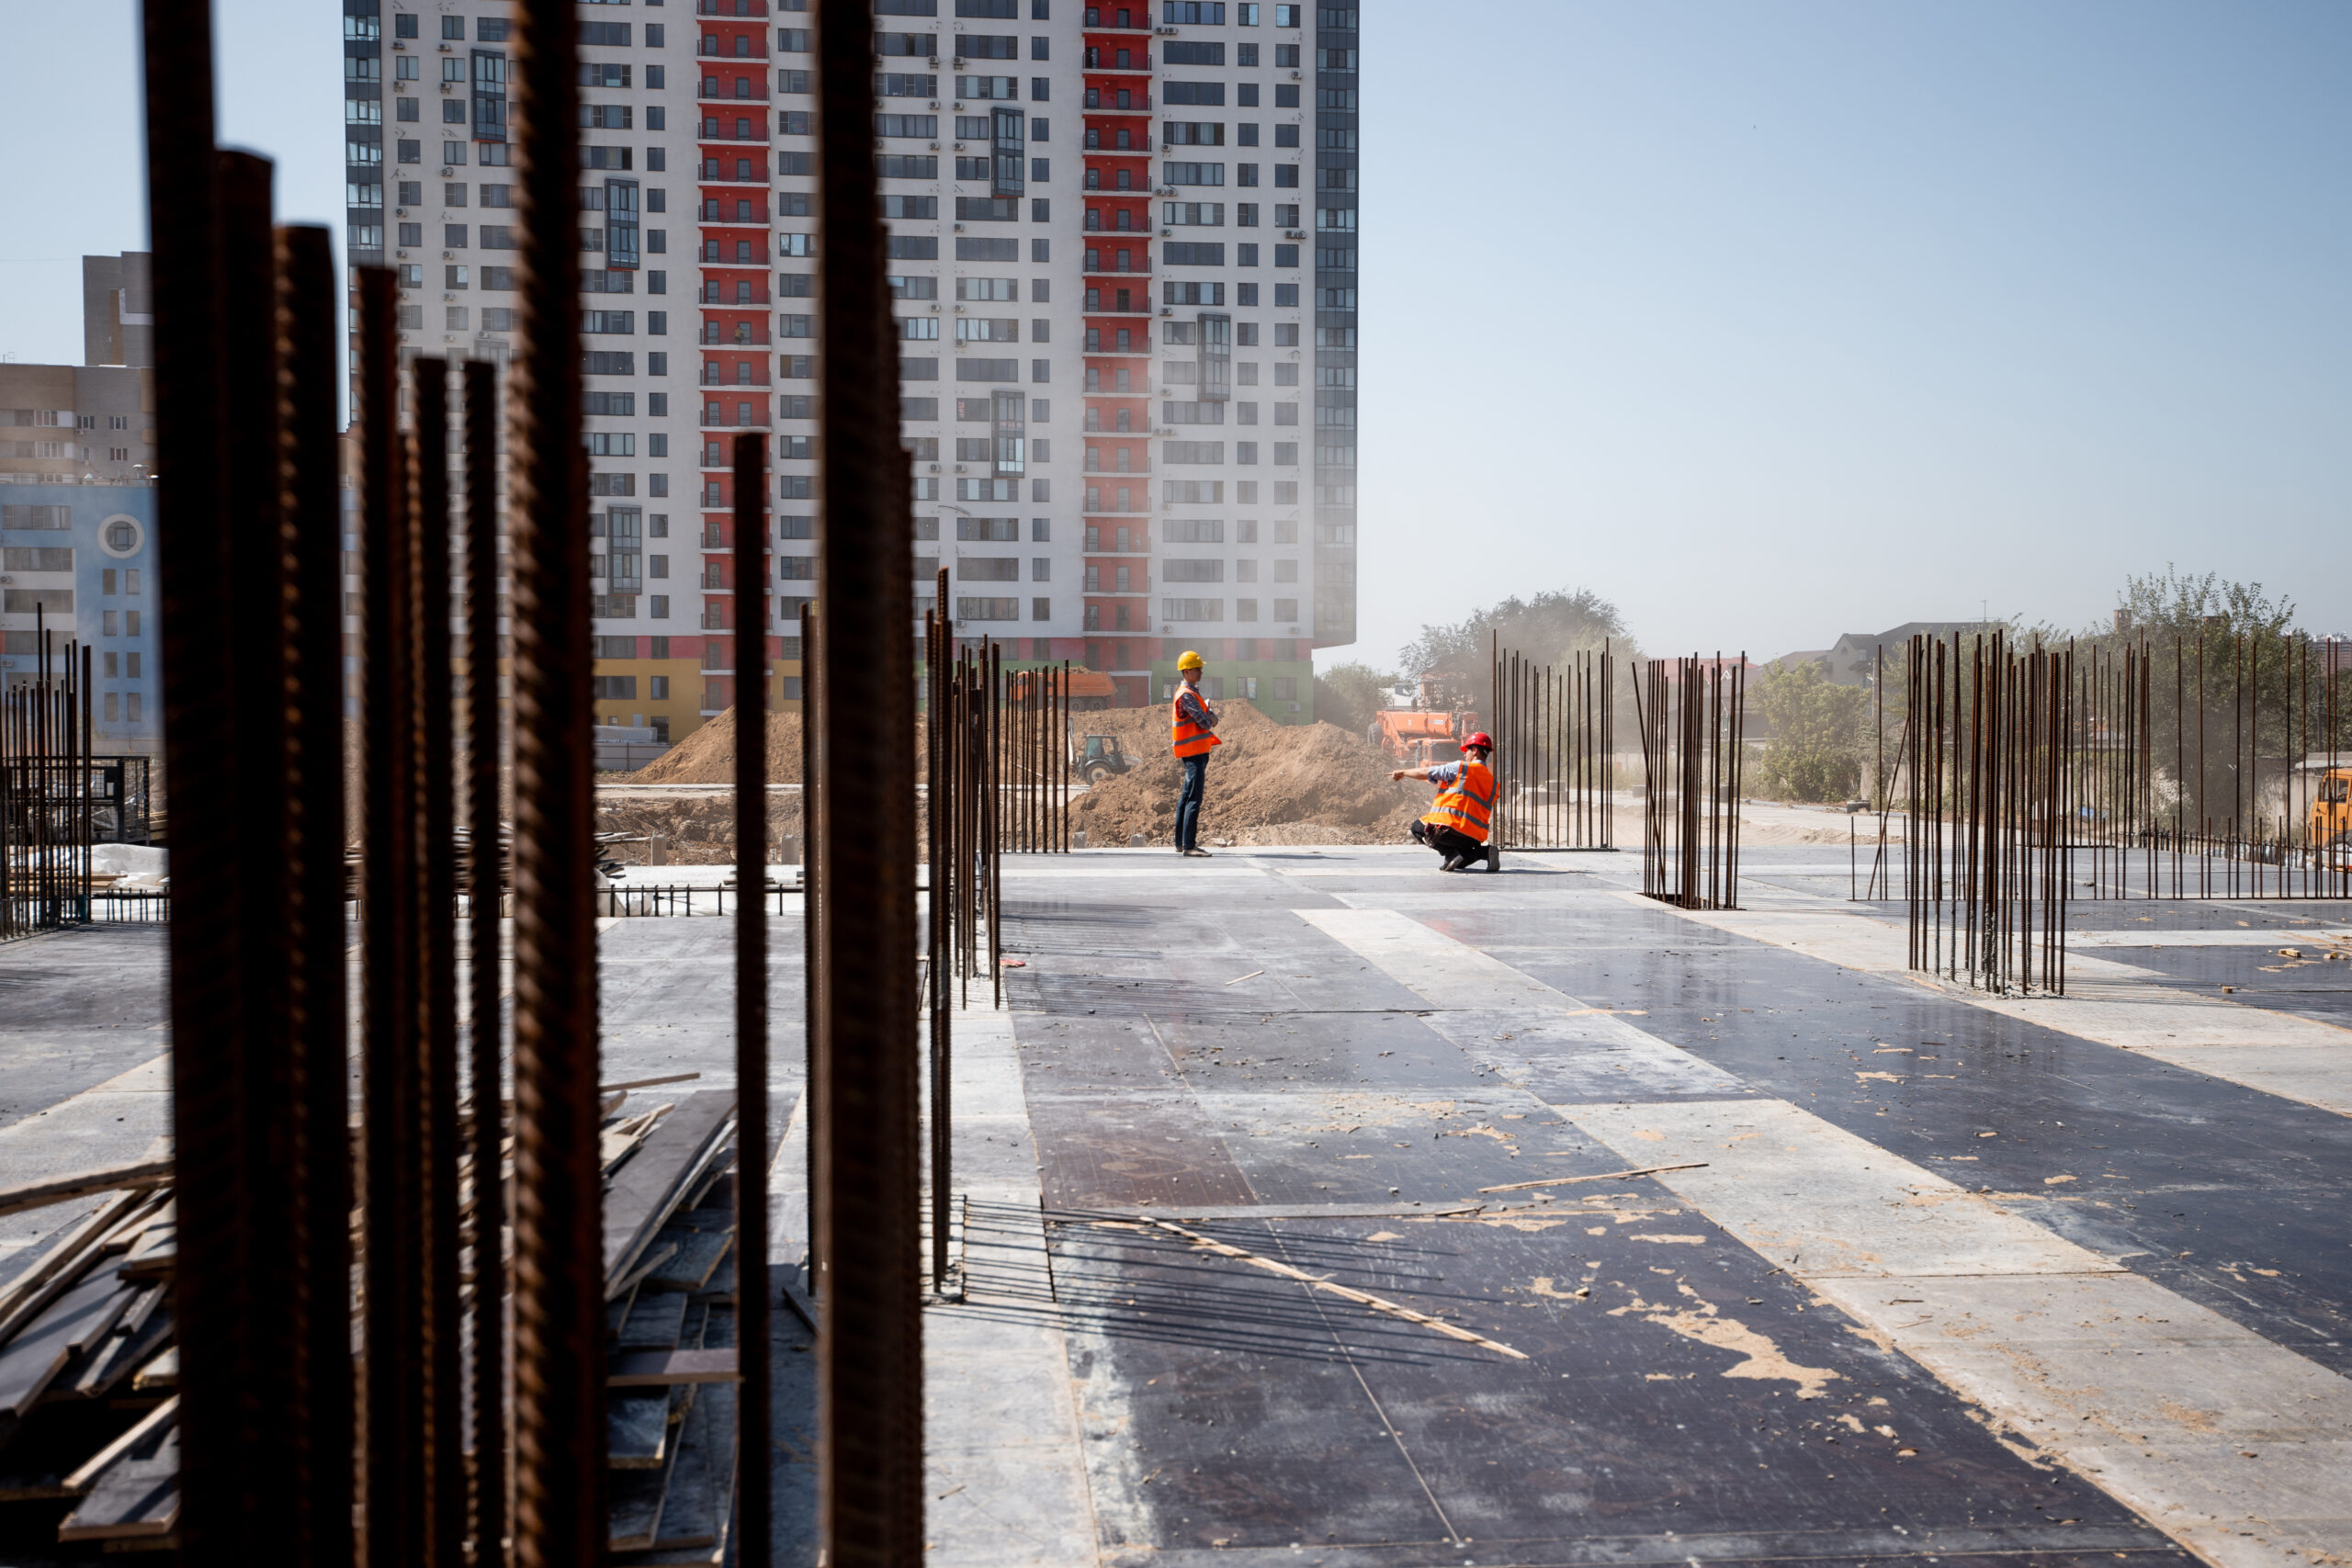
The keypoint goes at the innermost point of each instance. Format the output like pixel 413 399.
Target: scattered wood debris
pixel 90 1325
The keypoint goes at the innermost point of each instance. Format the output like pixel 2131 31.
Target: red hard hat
pixel 1482 740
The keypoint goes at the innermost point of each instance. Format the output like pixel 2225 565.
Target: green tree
pixel 1545 629
pixel 1349 694
pixel 1818 733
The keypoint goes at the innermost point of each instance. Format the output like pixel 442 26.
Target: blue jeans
pixel 1188 803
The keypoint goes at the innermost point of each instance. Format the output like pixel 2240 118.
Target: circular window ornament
pixel 122 534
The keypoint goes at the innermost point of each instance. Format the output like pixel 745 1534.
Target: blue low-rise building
pixel 78 561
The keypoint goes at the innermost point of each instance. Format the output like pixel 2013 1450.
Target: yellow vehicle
pixel 2330 818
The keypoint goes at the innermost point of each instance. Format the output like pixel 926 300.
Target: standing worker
pixel 1191 723
pixel 1458 825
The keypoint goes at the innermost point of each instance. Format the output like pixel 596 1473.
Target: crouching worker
pixel 1457 825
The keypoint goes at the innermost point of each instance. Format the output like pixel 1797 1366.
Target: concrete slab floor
pixel 1940 1280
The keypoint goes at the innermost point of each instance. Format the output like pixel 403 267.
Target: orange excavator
pixel 1425 722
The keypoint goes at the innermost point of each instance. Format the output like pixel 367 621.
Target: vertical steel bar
pixel 560 1470
pixel 870 1499
pixel 812 918
pixel 309 328
pixel 753 1292
pixel 266 1350
pixel 396 1486
pixel 484 752
pixel 437 901
pixel 183 217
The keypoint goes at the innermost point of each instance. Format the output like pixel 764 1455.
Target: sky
pixel 1766 320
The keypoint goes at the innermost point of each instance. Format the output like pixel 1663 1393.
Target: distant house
pixel 1853 661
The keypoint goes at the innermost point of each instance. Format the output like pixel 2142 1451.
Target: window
pixel 606 361
pixel 1179 52
pixel 1192 531
pixel 1192 609
pixel 1193 572
pixel 1192 174
pixel 615 322
pixel 1192 93
pixel 987 609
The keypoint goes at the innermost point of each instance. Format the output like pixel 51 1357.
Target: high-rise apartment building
pixel 1122 242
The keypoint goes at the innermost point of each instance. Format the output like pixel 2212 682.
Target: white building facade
pixel 1122 247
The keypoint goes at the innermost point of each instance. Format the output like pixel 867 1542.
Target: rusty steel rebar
pixel 560 1468
pixel 753 1292
pixel 870 1499
pixel 430 543
pixel 391 1075
pixel 309 328
pixel 486 873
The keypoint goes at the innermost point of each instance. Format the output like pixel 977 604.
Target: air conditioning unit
pixel 445 174
pixel 935 146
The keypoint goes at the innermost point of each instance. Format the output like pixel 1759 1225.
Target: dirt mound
pixel 708 756
pixel 697 829
pixel 1268 783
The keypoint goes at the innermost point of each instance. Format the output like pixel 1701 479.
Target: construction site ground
pixel 1296 1224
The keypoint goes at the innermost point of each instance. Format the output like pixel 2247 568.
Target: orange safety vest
pixel 1192 740
pixel 1466 803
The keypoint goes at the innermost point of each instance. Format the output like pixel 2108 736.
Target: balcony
pixel 1120 100
pixel 755 421
pixel 710 50
pixel 714 292
pixel 1107 59
pixel 743 336
pixel 734 376
pixel 723 171
pixel 734 89
pixel 717 130
pixel 731 9
pixel 742 212
pixel 1135 260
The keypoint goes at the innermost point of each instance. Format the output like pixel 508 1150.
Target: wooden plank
pixel 78 1318
pixel 153 1256
pixel 654 1322
pixel 138 1494
pixel 160 1373
pixel 640 1196
pixel 140 1431
pixel 142 1174
pixel 653 1259
pixel 649 1368
pixel 616 1311
pixel 690 1516
pixel 30 1292
pixel 637 1426
pixel 697 1258
pixel 123 1352
pixel 634 1510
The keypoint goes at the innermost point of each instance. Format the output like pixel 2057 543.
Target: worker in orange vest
pixel 1459 824
pixel 1192 722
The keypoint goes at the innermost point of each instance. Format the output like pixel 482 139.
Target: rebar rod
pixel 559 1469
pixel 755 1394
pixel 870 1482
pixel 485 878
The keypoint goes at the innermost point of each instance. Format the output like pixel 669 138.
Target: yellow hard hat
pixel 1188 660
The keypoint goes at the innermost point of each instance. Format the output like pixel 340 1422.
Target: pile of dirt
pixel 1268 783
pixel 697 829
pixel 708 756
